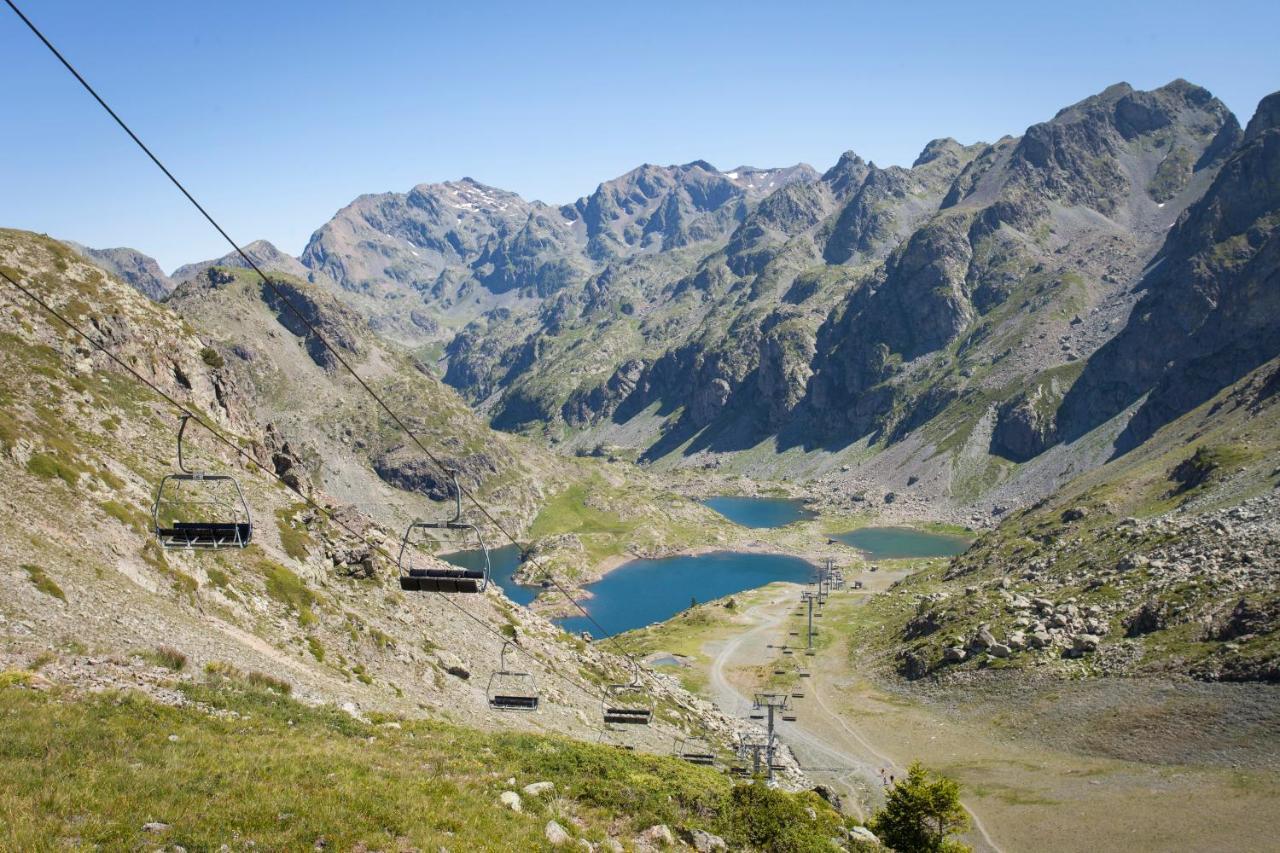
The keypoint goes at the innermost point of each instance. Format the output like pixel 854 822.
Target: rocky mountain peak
pixel 936 148
pixel 261 252
pixel 139 271
pixel 846 174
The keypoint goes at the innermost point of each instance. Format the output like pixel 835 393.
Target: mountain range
pixel 956 337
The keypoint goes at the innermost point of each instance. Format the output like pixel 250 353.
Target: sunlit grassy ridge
pixel 246 764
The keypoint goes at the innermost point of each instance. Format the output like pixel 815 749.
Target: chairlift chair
pixel 416 578
pixel 694 751
pixel 788 718
pixel 628 703
pixel 205 521
pixel 511 690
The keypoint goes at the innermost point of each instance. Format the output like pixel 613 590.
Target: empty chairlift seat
pixel 512 690
pixel 419 575
pixel 694 751
pixel 629 703
pixel 193 509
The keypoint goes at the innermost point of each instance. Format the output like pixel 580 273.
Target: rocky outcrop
pixel 267 257
pixel 300 309
pixel 1210 312
pixel 139 271
pixel 406 468
pixel 1026 424
pixel 588 406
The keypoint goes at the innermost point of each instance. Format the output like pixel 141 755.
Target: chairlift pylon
pixel 440 579
pixel 178 525
pixel 511 690
pixel 628 703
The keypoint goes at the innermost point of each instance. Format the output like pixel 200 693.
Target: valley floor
pixel 1136 764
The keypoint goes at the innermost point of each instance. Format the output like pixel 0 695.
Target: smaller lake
pixel 891 543
pixel 759 512
pixel 644 591
pixel 503 563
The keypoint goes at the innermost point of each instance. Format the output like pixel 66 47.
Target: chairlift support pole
pixel 772 703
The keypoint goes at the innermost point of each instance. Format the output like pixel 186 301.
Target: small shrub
pixel 212 357
pixel 270 682
pixel 294 540
pixel 168 657
pixel 43 582
pixel 41 660
pixel 14 678
pixel 218 578
pixel 289 589
pixel 47 467
pixel 218 669
pixel 127 516
pixel 111 481
pixel 315 647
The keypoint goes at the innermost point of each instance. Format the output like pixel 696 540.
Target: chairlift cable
pixel 607 635
pixel 243 454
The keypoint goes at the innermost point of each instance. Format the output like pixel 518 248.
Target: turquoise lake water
pixel 888 543
pixel 644 591
pixel 759 512
pixel 503 563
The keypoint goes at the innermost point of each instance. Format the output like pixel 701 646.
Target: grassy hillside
pixel 244 766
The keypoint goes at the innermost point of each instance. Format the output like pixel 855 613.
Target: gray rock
pixel 658 835
pixel 999 650
pixel 155 826
pixel 953 654
pixel 453 664
pixel 556 834
pixel 704 842
pixel 1084 643
pixel 537 789
pixel 511 800
pixel 861 833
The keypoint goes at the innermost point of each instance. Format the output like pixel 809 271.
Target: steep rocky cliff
pixel 1210 309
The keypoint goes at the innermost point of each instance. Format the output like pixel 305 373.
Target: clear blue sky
pixel 278 113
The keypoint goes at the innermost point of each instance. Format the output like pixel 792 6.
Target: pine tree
pixel 920 813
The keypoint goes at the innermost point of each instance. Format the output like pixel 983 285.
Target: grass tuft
pixel 43 582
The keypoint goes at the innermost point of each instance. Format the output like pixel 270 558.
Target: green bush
pixel 212 357
pixel 764 818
